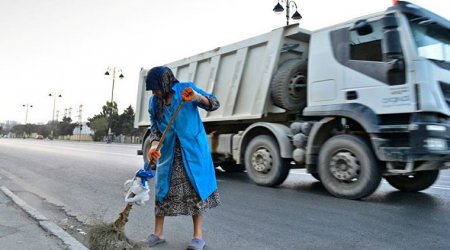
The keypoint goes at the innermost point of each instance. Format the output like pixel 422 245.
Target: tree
pixel 110 111
pixel 19 130
pixel 23 130
pixel 66 127
pixel 30 128
pixel 110 108
pixel 98 124
pixel 126 121
pixel 43 130
pixel 52 126
pixel 27 129
pixel 109 118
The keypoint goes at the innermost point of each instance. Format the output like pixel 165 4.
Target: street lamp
pixel 115 72
pixel 54 103
pixel 54 95
pixel 26 114
pixel 289 3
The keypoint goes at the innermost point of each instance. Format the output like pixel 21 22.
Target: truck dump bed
pixel 239 74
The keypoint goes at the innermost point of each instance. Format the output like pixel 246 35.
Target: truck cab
pixel 385 85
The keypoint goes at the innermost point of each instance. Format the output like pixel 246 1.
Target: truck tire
pixel 348 168
pixel 263 162
pixel 413 182
pixel 145 148
pixel 288 86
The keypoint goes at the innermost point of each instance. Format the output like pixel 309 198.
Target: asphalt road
pixel 73 182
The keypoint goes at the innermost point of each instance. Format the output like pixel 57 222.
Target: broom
pixel 112 236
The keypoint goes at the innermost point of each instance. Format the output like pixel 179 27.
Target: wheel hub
pixel 296 85
pixel 262 160
pixel 344 166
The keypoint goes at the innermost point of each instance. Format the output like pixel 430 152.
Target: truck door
pixel 375 73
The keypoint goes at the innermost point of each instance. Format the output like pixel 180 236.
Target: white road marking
pixel 441 187
pixel 77 149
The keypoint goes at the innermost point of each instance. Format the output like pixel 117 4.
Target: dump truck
pixel 352 103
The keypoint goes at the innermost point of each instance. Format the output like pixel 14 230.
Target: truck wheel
pixel 263 162
pixel 347 167
pixel 145 148
pixel 288 86
pixel 413 182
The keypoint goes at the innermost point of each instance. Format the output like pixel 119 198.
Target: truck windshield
pixel 432 40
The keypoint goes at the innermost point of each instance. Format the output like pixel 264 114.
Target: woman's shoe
pixel 154 240
pixel 196 244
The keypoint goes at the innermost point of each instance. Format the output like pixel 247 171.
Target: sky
pixel 64 47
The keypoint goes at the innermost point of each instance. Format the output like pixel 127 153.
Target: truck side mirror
pixel 392 50
pixel 391 44
pixel 391 38
pixel 362 27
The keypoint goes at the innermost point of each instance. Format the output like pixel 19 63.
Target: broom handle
pixel 166 131
pixel 123 217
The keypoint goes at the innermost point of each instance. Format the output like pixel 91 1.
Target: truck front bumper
pixel 417 142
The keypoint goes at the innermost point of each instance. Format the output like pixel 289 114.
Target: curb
pixel 45 223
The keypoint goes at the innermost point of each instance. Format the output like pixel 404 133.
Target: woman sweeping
pixel 185 177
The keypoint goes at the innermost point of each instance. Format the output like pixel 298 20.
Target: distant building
pixel 6 127
pixel 84 135
pixel 84 131
pixel 9 125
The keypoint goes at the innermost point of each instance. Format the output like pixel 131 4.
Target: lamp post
pixel 80 120
pixel 26 113
pixel 289 3
pixel 54 95
pixel 115 72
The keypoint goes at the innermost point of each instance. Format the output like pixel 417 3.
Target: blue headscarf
pixel 160 78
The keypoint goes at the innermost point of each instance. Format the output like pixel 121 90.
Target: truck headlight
pixel 436 144
pixel 436 128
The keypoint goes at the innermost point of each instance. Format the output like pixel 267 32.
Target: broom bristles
pixel 106 237
pixel 112 236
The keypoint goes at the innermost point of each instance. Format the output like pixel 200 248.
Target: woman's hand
pixel 153 154
pixel 189 95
